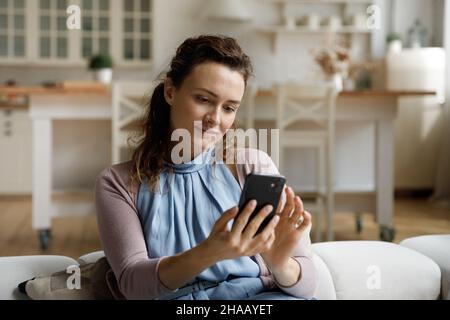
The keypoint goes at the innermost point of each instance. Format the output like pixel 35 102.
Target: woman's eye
pixel 202 99
pixel 229 109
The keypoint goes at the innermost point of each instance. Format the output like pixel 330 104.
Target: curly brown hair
pixel 153 147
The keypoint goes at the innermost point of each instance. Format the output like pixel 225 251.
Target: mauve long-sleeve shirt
pixel 124 242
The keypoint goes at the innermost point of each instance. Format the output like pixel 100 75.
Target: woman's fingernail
pixel 268 208
pixel 253 203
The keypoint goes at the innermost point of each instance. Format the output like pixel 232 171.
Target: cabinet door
pixel 12 30
pixel 35 31
pixel 137 31
pixel 15 150
pixel 53 40
pixel 96 22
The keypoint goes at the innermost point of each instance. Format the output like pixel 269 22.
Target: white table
pixel 47 105
pixel 365 129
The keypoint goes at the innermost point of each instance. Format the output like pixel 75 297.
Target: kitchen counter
pixel 63 89
pixel 363 93
pixel 80 101
pixel 21 95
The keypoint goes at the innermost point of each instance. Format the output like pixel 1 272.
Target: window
pixel 96 27
pixel 53 33
pixel 12 29
pixel 137 30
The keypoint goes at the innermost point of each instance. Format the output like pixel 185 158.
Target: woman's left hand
pixel 291 226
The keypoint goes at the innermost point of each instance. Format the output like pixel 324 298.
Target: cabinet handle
pixel 7 124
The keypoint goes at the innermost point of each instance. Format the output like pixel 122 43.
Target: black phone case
pixel 265 189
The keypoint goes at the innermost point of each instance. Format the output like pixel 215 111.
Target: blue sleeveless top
pixel 182 213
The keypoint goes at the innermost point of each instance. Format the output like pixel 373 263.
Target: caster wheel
pixel 387 234
pixel 44 239
pixel 359 224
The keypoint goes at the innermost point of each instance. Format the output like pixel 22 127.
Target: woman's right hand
pixel 240 241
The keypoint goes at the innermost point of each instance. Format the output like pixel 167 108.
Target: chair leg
pixel 358 222
pixel 319 211
pixel 330 212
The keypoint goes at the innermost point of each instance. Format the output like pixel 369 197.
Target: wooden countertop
pixel 364 93
pixel 64 88
pixel 96 88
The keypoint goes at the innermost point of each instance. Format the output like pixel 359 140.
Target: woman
pixel 166 227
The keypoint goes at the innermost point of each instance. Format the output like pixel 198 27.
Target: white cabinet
pixel 15 151
pixel 419 123
pixel 35 32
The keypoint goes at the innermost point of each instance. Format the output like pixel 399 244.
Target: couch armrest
pixel 14 270
pixel 436 247
pixel 379 270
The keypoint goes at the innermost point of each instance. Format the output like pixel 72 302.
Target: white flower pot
pixel 395 46
pixel 103 75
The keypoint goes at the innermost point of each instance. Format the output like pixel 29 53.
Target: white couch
pixel 346 269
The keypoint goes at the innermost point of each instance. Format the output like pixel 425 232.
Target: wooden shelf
pixel 277 30
pixel 321 1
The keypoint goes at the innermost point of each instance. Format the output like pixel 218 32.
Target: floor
pixel 74 236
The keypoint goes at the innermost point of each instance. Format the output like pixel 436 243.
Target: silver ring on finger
pixel 299 222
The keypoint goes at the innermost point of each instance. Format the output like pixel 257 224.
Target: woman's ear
pixel 168 91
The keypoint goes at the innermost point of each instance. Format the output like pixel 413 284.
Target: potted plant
pixel 102 65
pixel 394 41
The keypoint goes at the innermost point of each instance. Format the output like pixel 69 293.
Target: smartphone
pixel 265 189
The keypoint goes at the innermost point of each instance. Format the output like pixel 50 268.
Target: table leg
pixel 42 178
pixel 385 179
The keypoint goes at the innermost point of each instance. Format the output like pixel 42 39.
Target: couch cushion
pixel 14 270
pixel 437 247
pixel 90 257
pixel 379 270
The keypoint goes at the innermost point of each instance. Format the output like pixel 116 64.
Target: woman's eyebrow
pixel 216 96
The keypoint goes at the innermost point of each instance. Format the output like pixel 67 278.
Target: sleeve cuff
pixel 163 288
pixel 296 282
pixel 306 283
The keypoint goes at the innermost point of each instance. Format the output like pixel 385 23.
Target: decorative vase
pixel 103 75
pixel 337 82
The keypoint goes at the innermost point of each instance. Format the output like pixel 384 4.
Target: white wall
pixel 443 170
pixel 429 12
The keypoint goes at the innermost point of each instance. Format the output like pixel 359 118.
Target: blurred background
pixel 74 75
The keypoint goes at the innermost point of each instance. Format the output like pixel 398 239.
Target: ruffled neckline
pixel 196 164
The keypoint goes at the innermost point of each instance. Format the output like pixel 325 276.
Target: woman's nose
pixel 214 116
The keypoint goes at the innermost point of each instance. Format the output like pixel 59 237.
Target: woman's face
pixel 209 97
